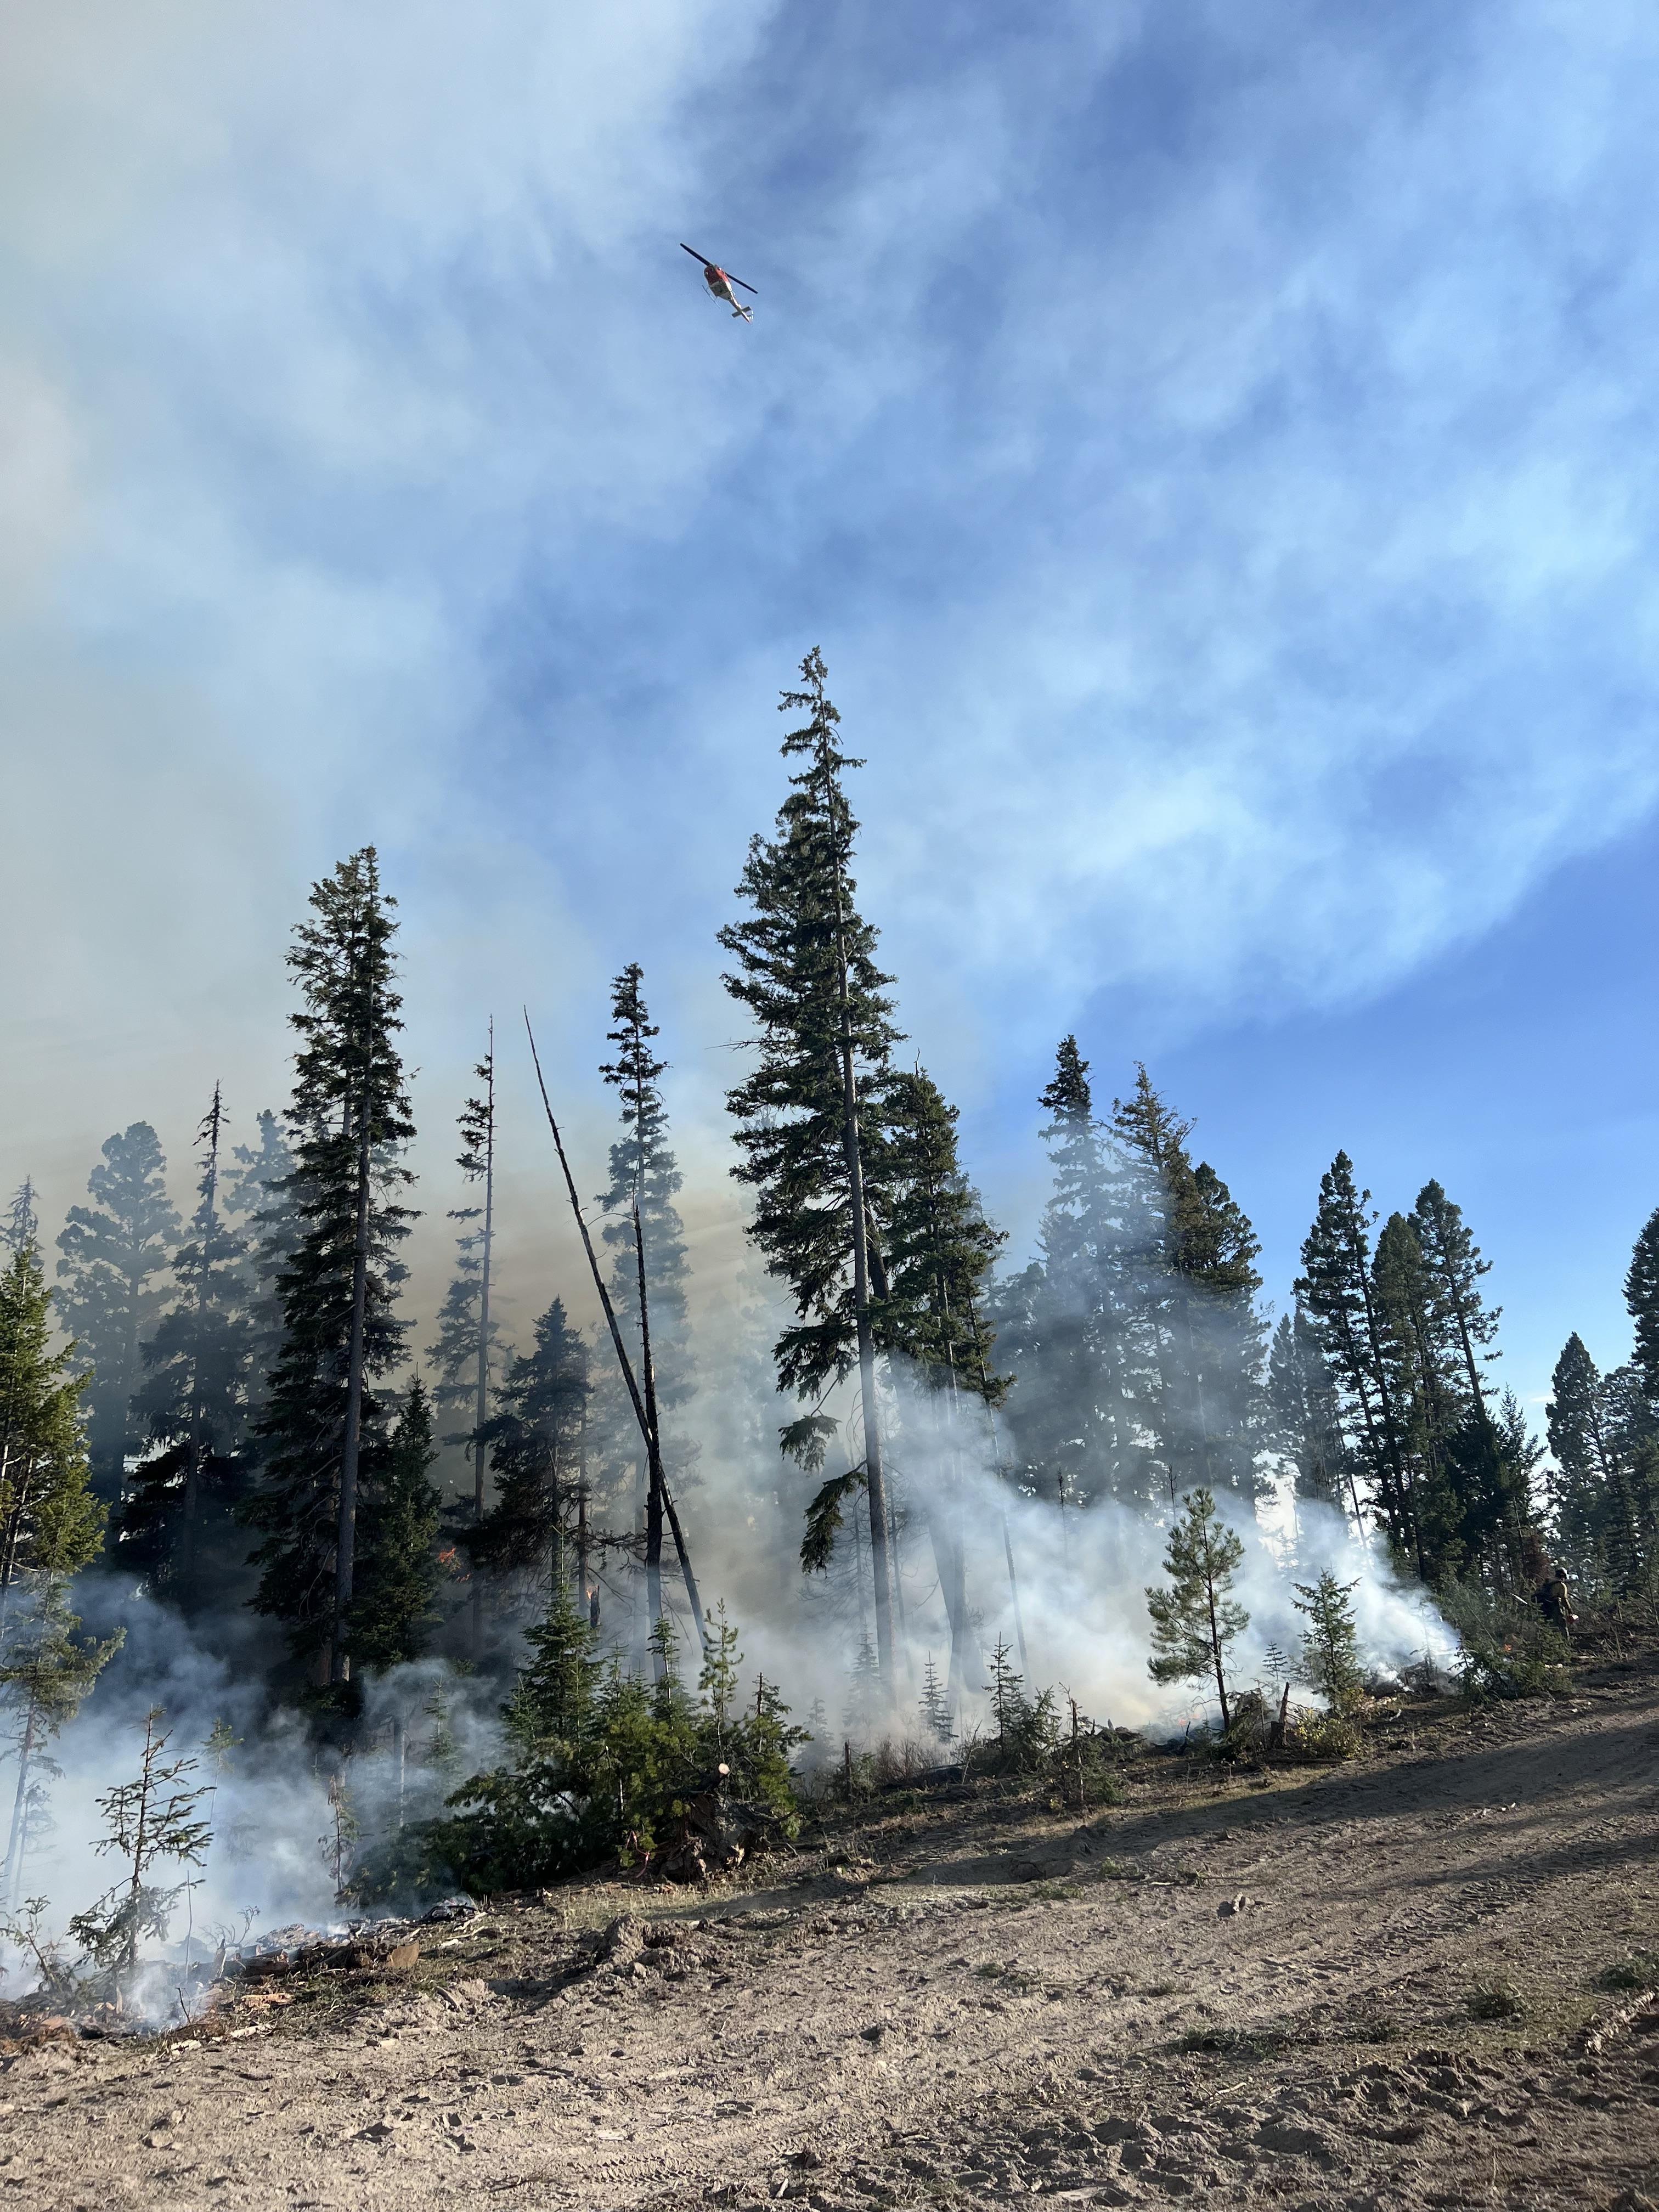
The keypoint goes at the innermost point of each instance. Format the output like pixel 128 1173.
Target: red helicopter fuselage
pixel 720 281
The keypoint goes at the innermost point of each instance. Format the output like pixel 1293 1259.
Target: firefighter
pixel 1554 1600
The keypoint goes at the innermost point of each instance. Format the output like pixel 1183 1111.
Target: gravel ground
pixel 1387 1985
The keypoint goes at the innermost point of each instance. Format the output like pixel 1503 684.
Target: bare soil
pixel 1388 1985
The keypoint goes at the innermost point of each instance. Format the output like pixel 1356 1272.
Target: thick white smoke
pixel 1076 1602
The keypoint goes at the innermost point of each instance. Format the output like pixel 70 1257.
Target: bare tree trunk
pixel 555 1547
pixel 647 1428
pixel 1014 1592
pixel 1215 1636
pixel 13 1887
pixel 481 1409
pixel 346 1545
pixel 193 1465
pixel 944 1527
pixel 653 1496
pixel 874 1482
pixel 590 1593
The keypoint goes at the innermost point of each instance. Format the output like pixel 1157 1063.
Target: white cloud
pixel 1212 454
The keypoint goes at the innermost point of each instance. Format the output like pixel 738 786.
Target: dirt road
pixel 1378 1986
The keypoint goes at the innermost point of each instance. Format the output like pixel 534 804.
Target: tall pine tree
pixel 464 1350
pixel 805 969
pixel 1305 1420
pixel 50 1527
pixel 1426 1400
pixel 394 1596
pixel 939 1249
pixel 175 1521
pixel 534 1439
pixel 1642 1297
pixel 1336 1289
pixel 938 1244
pixel 109 1295
pixel 1196 1296
pixel 1496 1501
pixel 258 1202
pixel 348 1119
pixel 50 1521
pixel 1602 1527
pixel 1065 1325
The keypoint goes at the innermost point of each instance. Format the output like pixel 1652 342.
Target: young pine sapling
pixel 1329 1658
pixel 151 1817
pixel 1194 1620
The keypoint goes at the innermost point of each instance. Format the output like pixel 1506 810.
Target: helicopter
pixel 719 282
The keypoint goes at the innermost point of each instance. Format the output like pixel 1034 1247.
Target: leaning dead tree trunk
pixel 647 1421
pixel 653 1495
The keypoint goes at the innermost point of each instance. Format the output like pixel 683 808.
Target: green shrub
pixel 1509 1650
pixel 1249 1730
pixel 1325 1735
pixel 603 1765
pixel 1640 1970
pixel 1493 2001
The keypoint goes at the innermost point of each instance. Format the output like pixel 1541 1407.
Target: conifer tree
pixel 647 1244
pixel 50 1527
pixel 934 1705
pixel 153 1817
pixel 549 1715
pixel 466 1334
pixel 109 1296
pixel 1197 1288
pixel 938 1244
pixel 1194 1620
pixel 939 1247
pixel 46 1672
pixel 348 1117
pixel 534 1441
pixel 1463 1328
pixel 19 1224
pixel 805 969
pixel 1642 1297
pixel 257 1196
pixel 1065 1325
pixel 394 1600
pixel 1306 1423
pixel 1336 1289
pixel 1329 1658
pixel 1425 1395
pixel 175 1522
pixel 1633 1432
pixel 1594 1491
pixel 51 1524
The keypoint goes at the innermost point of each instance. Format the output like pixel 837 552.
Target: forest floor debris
pixel 973 2000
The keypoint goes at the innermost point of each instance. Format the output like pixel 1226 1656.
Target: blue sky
pixel 1213 446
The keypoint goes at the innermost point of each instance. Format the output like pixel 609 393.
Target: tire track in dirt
pixel 929 2030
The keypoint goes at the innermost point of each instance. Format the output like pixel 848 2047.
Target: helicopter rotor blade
pixel 708 264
